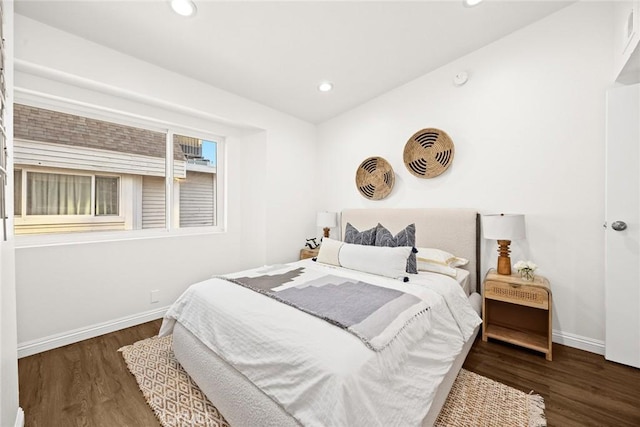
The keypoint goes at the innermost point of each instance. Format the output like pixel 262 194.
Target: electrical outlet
pixel 155 296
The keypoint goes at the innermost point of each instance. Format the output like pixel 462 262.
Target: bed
pixel 273 388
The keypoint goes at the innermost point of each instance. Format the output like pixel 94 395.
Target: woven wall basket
pixel 428 153
pixel 375 178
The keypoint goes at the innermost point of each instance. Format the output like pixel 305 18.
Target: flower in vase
pixel 526 269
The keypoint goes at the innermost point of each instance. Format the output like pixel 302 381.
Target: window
pixel 198 189
pixel 107 195
pixel 57 194
pixel 76 173
pixel 17 192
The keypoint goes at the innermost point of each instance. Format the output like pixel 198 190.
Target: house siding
pixel 197 195
pixel 44 154
pixel 38 124
pixel 153 202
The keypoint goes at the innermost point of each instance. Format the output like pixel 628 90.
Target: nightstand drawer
pixel 523 295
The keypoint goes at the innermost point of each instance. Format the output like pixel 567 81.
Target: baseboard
pixel 19 418
pixel 578 341
pixel 54 341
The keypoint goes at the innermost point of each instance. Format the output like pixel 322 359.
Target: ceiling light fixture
pixel 325 86
pixel 471 3
pixel 184 7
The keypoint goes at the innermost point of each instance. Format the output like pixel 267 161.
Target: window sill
pixel 66 219
pixel 42 240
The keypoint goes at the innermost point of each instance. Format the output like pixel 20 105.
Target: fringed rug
pixel 475 400
pixel 178 402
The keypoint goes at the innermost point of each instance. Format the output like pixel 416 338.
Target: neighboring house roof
pixel 38 124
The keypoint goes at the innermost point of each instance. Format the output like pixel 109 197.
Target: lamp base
pixel 504 265
pixel 326 232
pixel 504 262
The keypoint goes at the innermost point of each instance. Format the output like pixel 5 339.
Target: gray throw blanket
pixel 375 314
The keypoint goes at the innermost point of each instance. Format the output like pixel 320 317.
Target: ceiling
pixel 276 53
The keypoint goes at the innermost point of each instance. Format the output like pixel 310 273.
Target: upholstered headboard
pixel 454 230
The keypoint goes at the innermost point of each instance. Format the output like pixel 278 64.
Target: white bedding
pixel 321 374
pixel 462 277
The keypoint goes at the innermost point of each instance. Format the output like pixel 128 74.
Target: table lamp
pixel 504 228
pixel 327 220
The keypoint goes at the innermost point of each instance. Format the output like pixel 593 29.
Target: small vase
pixel 527 275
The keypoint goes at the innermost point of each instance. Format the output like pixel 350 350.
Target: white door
pixel 622 233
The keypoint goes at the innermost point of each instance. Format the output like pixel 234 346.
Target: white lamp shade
pixel 503 227
pixel 327 219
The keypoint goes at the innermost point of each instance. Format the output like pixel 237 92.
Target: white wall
pixel 528 128
pixel 64 289
pixel 626 53
pixel 8 337
pixel 529 135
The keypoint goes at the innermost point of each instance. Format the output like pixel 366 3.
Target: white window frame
pixel 68 106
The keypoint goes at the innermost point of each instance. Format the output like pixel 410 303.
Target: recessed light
pixel 325 86
pixel 184 7
pixel 471 3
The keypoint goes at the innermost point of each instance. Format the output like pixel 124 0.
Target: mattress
pixel 317 373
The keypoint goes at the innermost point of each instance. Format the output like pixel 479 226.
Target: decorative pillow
pixel 366 237
pixel 383 261
pixel 329 250
pixel 406 237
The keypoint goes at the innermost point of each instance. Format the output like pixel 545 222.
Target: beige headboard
pixel 453 230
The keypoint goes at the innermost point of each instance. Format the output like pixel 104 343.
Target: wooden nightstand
pixel 309 253
pixel 517 311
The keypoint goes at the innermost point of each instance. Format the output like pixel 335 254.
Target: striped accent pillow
pixel 366 237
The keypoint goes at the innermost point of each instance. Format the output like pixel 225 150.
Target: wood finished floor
pixel 88 384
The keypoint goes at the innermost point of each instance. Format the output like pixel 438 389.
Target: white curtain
pixel 106 195
pixel 17 192
pixel 56 194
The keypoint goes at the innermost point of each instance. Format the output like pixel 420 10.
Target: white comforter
pixel 321 374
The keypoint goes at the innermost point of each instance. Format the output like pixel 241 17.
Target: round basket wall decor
pixel 428 153
pixel 375 178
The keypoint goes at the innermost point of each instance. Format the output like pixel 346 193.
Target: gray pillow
pixel 366 237
pixel 406 237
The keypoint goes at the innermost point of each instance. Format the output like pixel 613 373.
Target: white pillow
pixel 439 261
pixel 438 256
pixel 380 260
pixel 329 250
pixel 437 268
